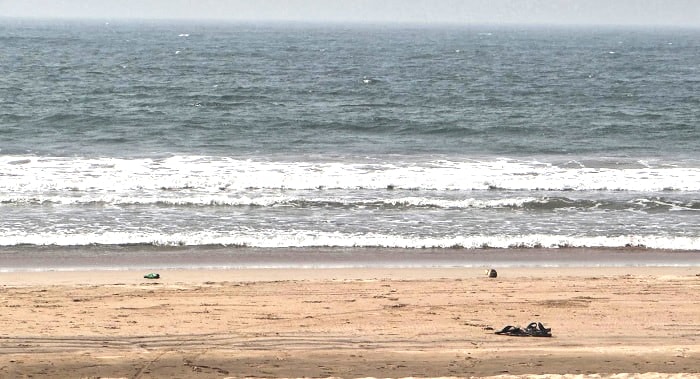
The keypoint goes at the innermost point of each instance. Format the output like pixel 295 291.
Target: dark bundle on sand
pixel 534 329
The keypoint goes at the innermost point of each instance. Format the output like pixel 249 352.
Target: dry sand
pixel 350 323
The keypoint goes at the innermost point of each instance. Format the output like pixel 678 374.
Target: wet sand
pixel 360 322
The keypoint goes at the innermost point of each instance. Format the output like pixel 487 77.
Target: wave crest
pixel 304 239
pixel 23 174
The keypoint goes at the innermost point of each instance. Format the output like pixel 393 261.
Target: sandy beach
pixel 371 322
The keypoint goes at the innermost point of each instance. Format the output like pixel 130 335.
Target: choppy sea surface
pixel 141 136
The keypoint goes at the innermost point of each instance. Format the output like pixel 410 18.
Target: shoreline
pixel 197 276
pixel 119 258
pixel 358 322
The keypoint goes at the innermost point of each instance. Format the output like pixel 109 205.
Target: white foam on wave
pixel 260 199
pixel 202 176
pixel 272 238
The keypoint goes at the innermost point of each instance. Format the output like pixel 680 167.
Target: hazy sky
pixel 620 12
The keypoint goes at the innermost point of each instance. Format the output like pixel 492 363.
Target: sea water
pixel 143 135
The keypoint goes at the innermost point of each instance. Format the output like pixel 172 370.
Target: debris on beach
pixel 534 329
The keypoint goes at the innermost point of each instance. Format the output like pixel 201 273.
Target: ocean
pixel 184 144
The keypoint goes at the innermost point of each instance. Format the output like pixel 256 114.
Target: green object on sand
pixel 152 275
